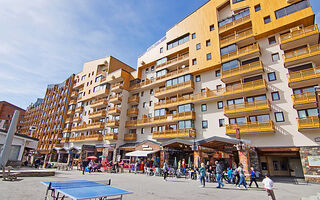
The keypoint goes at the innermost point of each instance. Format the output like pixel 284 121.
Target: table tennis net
pixel 74 184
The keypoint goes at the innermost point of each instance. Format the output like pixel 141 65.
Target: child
pixel 268 184
pixel 202 173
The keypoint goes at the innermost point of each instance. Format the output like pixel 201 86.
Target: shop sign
pixel 145 146
pixel 147 149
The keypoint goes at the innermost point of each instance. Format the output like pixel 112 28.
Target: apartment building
pixel 46 117
pixel 6 114
pixel 232 68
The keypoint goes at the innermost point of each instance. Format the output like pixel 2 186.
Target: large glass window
pixel 311 112
pixel 234 17
pixel 186 124
pixel 178 80
pixel 237 120
pixel 234 101
pixel 178 41
pixel 160 112
pixel 228 49
pixel 291 9
pixel 259 118
pixel 185 108
pixel 162 60
pixel 230 65
pixel 161 72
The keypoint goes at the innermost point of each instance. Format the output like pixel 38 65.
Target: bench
pixel 9 176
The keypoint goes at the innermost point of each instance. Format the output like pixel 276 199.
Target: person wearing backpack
pixel 219 171
pixel 165 170
pixel 253 177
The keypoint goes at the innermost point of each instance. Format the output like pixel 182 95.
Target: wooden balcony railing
pixel 174 60
pixel 164 90
pixel 100 102
pixel 134 99
pixel 304 98
pixel 302 53
pixel 79 109
pixel 115 98
pixel 240 52
pixel 251 127
pixel 112 123
pixel 308 122
pixel 234 23
pixel 304 74
pixel 236 37
pixel 130 137
pixel 96 125
pixel 100 113
pixel 187 133
pixel 114 110
pixel 132 111
pixel 111 136
pixel 242 69
pixel 247 106
pixel 298 33
pixel 93 137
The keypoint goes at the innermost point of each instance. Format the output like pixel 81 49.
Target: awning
pixel 140 153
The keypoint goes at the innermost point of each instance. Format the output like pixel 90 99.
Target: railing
pixel 68 120
pixel 116 86
pixel 236 36
pixel 96 125
pixel 240 52
pixel 133 99
pixel 116 98
pixel 297 33
pixel 133 111
pixel 111 136
pixel 64 140
pixel 176 59
pixel 130 136
pixel 77 119
pixel 100 101
pixel 251 127
pixel 191 133
pixel 247 106
pixel 233 23
pixel 303 98
pixel 79 109
pixel 210 94
pixel 112 123
pixel 242 69
pixel 304 74
pixel 308 122
pixel 73 101
pixel 74 93
pixel 301 53
pixel 189 83
pixel 68 129
pixel 160 119
pixel 173 73
pixel 114 110
pixel 86 137
pixel 98 113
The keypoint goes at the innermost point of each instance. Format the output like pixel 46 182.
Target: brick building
pixel 6 114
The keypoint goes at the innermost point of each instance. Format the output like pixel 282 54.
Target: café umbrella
pixel 92 157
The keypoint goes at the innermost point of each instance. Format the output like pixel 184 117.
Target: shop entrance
pixel 179 151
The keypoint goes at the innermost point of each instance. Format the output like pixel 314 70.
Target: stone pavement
pixel 154 188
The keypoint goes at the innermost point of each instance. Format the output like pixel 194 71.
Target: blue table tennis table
pixel 83 189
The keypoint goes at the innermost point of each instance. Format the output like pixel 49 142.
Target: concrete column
pixel 69 156
pixel 45 160
pixel 58 160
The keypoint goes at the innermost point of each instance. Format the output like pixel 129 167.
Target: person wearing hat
pixel 268 186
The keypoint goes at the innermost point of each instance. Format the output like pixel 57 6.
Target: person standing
pixel 268 186
pixel 202 172
pixel 242 177
pixel 253 177
pixel 165 170
pixel 84 165
pixel 219 171
pixel 136 165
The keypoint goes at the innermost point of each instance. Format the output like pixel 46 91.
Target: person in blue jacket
pixel 253 177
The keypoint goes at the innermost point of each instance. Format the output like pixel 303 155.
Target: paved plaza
pixel 154 188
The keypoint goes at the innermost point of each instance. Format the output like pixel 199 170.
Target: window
pixel 275 96
pixel 198 78
pixel 275 57
pixel 194 61
pixel 144 104
pixel 147 70
pixel 193 35
pixel 272 76
pixel 142 94
pixel 218 73
pixel 185 108
pixel 161 50
pixel 228 49
pixel 279 116
pixel 208 43
pixel 257 7
pixel 142 130
pixel 234 17
pixel 160 112
pixel 291 9
pixel 212 27
pixel 150 103
pixel 236 1
pixel 204 124
pixel 221 122
pixel 230 65
pixel 161 73
pixel 272 40
pixel 83 77
pixel 180 79
pixel 151 91
pixel 186 124
pixel 208 56
pixel 219 87
pixel 311 112
pixel 198 46
pixel 204 107
pixel 178 41
pixel 98 79
pixel 220 104
pixel 267 20
pixel 152 68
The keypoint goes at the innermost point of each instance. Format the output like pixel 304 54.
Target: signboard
pixel 244 159
pixel 147 149
pixel 314 161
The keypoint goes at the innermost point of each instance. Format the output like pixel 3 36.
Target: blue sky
pixel 43 42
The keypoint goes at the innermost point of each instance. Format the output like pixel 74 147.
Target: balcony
pixel 244 37
pixel 98 114
pixel 309 53
pixel 93 137
pixel 69 120
pixel 67 130
pixel 237 73
pixel 70 111
pixel 73 102
pixel 64 140
pixel 74 94
pixel 169 134
pixel 259 127
pixel 304 100
pixel 79 109
pixel 242 53
pixel 112 123
pixel 115 99
pixel 175 62
pixel 304 77
pixel 77 119
pixel 299 36
pixel 161 119
pixel 248 108
pixel 184 87
pixel 130 137
pixel 134 100
pixel 114 111
pixel 101 93
pixel 118 87
pixel 111 136
pixel 85 127
pixel 132 112
pixel 236 24
pixel 308 123
pixel 99 103
pixel 250 88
